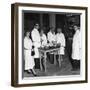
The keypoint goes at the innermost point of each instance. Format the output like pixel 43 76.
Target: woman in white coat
pixel 52 40
pixel 60 38
pixel 29 60
pixel 36 41
pixel 43 38
pixel 76 49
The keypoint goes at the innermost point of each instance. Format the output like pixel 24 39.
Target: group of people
pixel 41 39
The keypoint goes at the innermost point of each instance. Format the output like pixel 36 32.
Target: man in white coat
pixel 52 40
pixel 60 38
pixel 29 60
pixel 36 41
pixel 76 49
pixel 51 36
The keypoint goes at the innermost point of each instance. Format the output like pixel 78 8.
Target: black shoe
pixel 28 71
pixel 33 73
pixel 73 69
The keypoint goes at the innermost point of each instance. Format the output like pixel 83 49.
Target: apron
pixel 29 60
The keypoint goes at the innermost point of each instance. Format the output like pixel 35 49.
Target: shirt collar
pixel 52 33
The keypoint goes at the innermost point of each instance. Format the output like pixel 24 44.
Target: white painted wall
pixel 5 44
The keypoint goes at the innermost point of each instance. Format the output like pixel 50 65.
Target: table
pixel 44 51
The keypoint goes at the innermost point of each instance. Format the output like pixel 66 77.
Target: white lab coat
pixel 36 41
pixel 76 46
pixel 29 60
pixel 60 38
pixel 51 37
pixel 43 40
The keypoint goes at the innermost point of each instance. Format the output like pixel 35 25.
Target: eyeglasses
pixel 37 25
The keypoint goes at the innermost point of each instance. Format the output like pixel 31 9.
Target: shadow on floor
pixel 55 70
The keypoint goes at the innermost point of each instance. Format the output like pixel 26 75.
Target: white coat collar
pixel 59 33
pixel 77 31
pixel 35 29
pixel 52 33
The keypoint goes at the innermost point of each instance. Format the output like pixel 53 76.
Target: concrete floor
pixel 55 70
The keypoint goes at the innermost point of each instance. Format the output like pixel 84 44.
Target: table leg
pixel 40 62
pixel 59 60
pixel 54 59
pixel 45 61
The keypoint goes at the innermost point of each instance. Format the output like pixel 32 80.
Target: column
pixel 41 20
pixel 52 20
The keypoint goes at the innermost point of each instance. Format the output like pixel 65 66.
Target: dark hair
pixel 76 25
pixel 36 24
pixel 52 27
pixel 41 29
pixel 59 28
pixel 26 32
